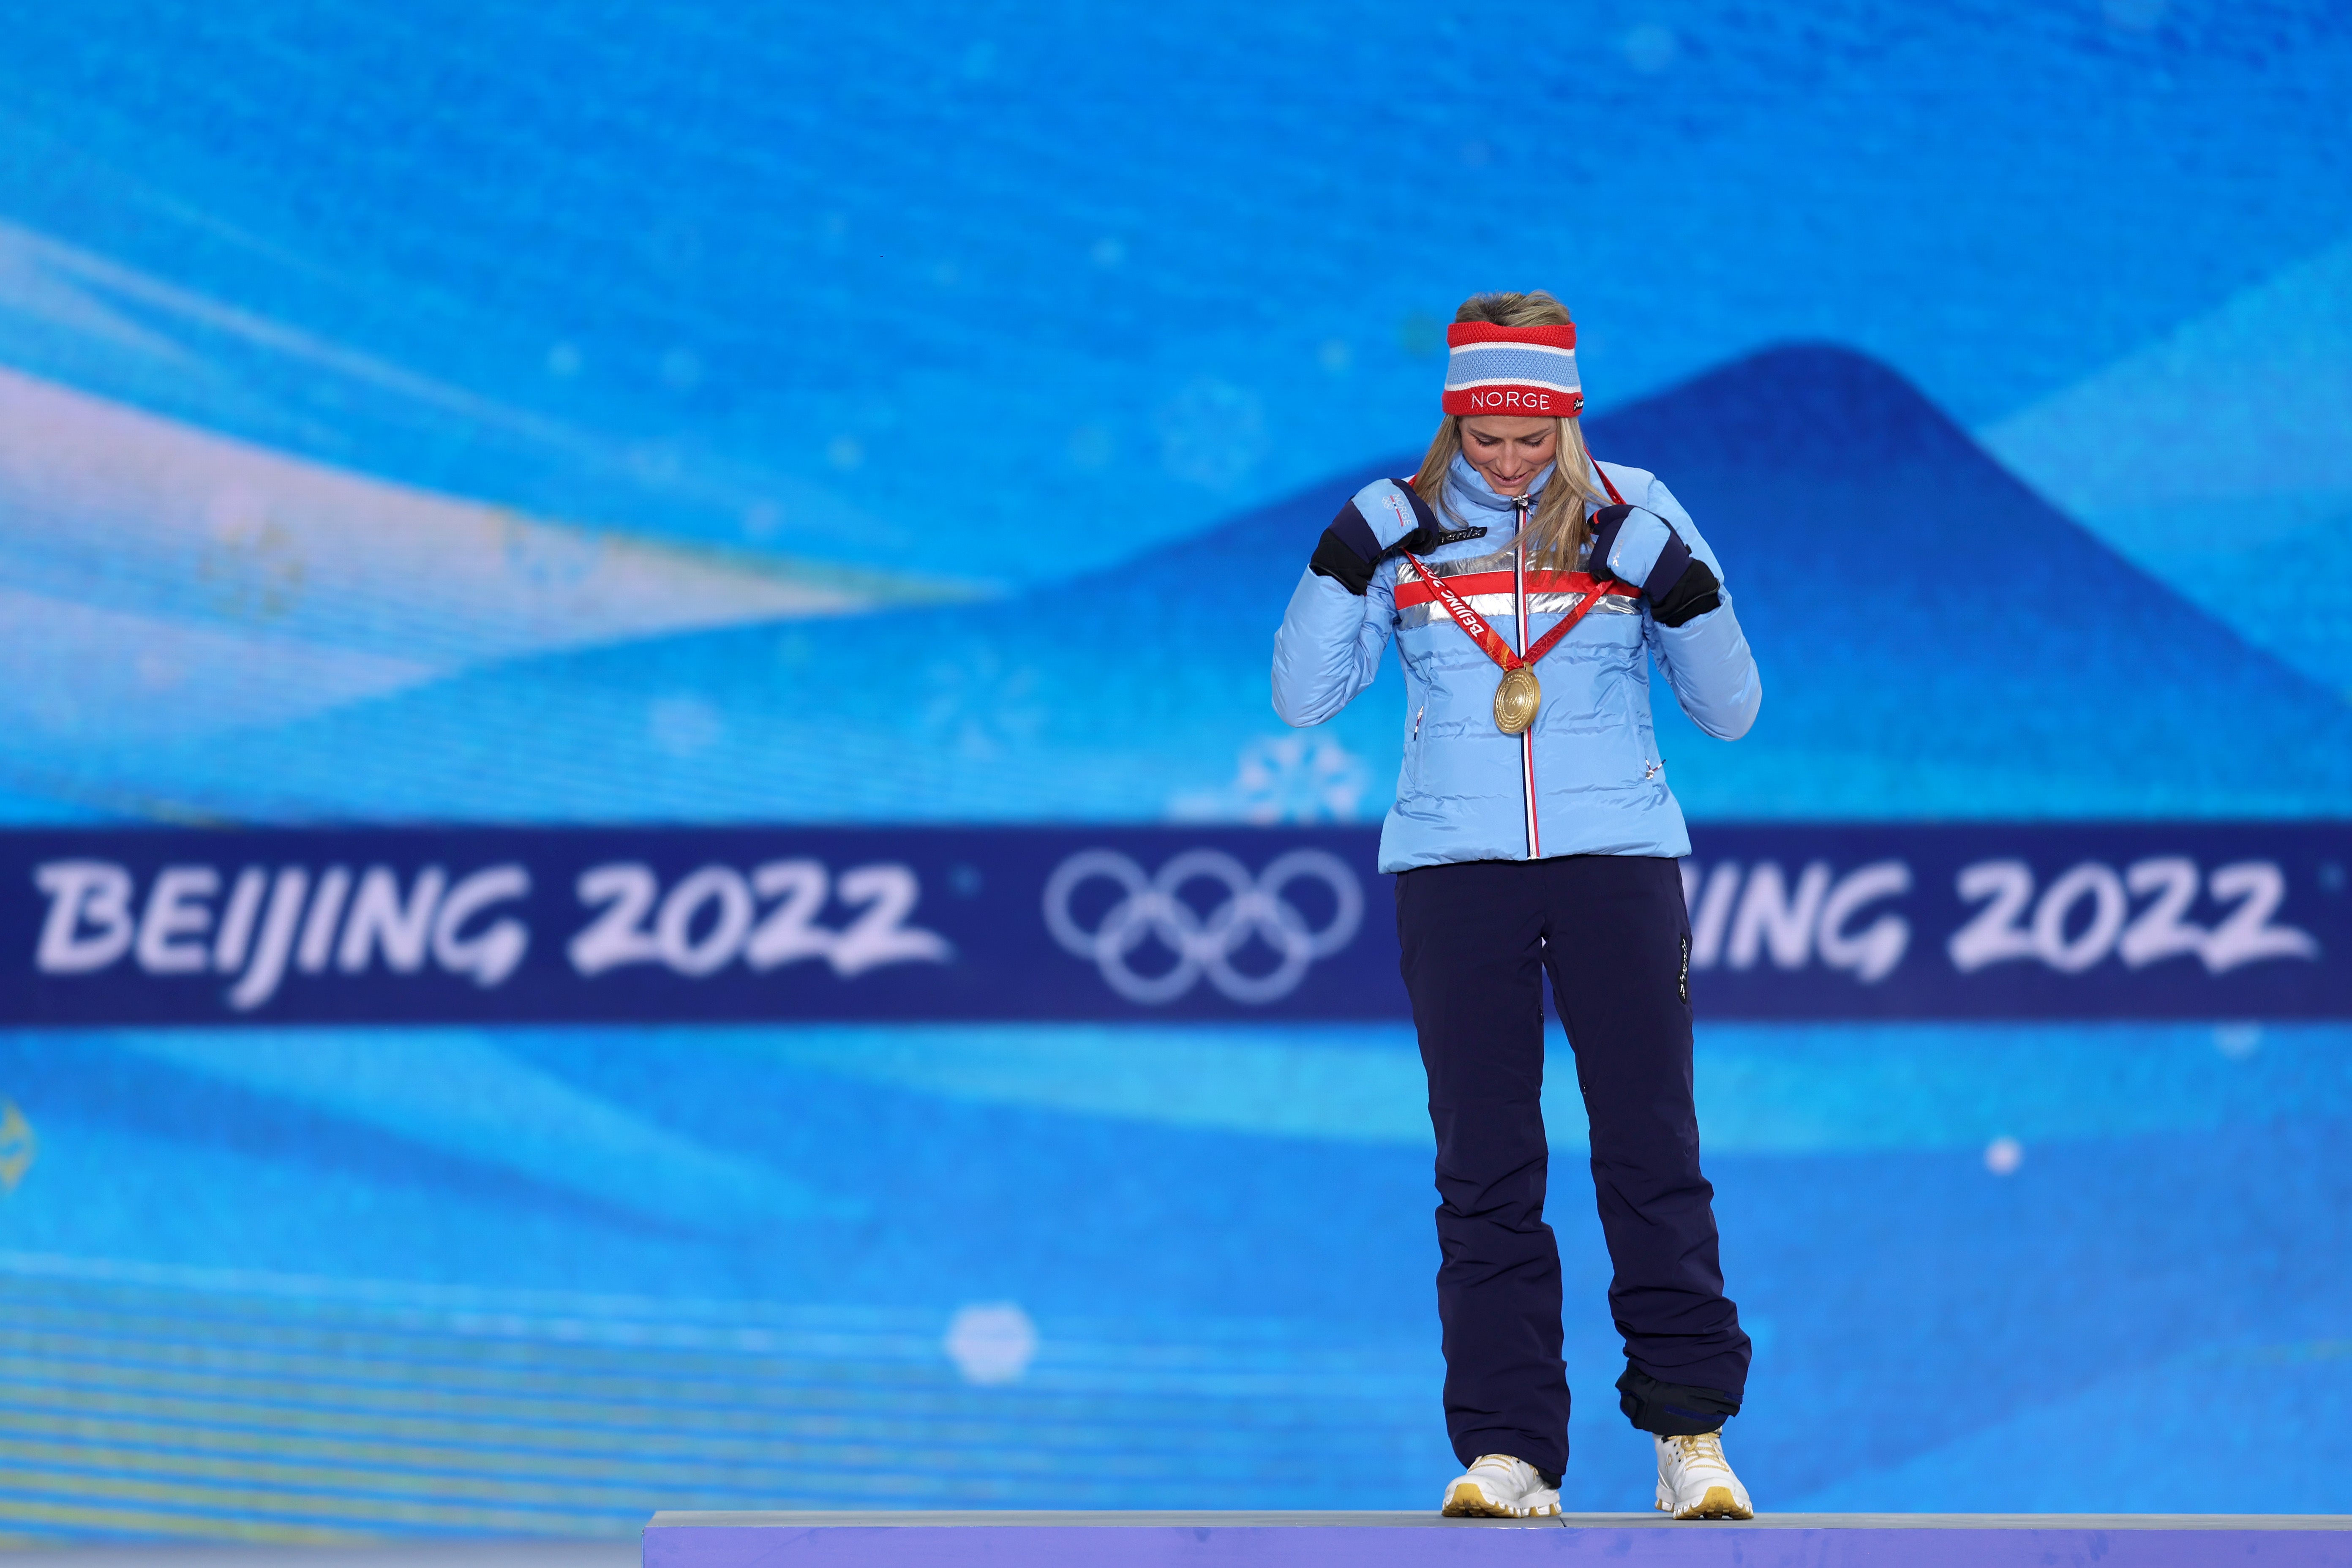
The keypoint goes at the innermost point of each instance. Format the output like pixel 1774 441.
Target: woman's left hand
pixel 1638 546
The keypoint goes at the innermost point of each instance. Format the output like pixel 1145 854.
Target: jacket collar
pixel 1466 487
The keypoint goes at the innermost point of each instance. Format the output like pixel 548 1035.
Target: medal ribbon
pixel 1486 636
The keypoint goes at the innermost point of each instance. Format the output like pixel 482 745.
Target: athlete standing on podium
pixel 1527 588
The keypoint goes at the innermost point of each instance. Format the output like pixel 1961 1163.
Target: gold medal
pixel 1516 699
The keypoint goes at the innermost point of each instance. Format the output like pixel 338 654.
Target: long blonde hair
pixel 1556 532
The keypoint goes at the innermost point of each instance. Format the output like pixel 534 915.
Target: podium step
pixel 1308 1540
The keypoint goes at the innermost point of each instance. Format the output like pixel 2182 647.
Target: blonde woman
pixel 1527 588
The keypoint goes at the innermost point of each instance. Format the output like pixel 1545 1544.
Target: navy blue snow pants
pixel 1614 932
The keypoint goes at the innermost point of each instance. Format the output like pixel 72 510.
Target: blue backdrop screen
pixel 633 657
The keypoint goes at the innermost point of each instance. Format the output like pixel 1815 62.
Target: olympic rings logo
pixel 1254 907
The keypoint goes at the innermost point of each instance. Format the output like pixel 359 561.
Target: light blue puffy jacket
pixel 1587 779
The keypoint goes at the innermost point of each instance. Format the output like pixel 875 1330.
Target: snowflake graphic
pixel 1284 778
pixel 980 708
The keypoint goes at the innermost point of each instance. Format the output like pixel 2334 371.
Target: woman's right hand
pixel 1361 537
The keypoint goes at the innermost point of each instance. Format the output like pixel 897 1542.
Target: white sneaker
pixel 1498 1486
pixel 1695 1482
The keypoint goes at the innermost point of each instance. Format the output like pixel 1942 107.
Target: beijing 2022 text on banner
pixel 1985 920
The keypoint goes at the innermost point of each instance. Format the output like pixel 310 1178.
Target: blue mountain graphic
pixel 1938 641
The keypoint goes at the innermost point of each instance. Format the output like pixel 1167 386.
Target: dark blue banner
pixel 2140 920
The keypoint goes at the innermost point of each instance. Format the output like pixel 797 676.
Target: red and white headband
pixel 1512 370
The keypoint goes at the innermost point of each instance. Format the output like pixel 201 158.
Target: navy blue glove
pixel 1631 545
pixel 1353 548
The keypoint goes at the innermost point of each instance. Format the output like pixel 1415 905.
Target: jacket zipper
pixel 1527 735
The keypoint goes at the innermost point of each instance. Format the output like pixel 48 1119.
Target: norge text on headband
pixel 1512 370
